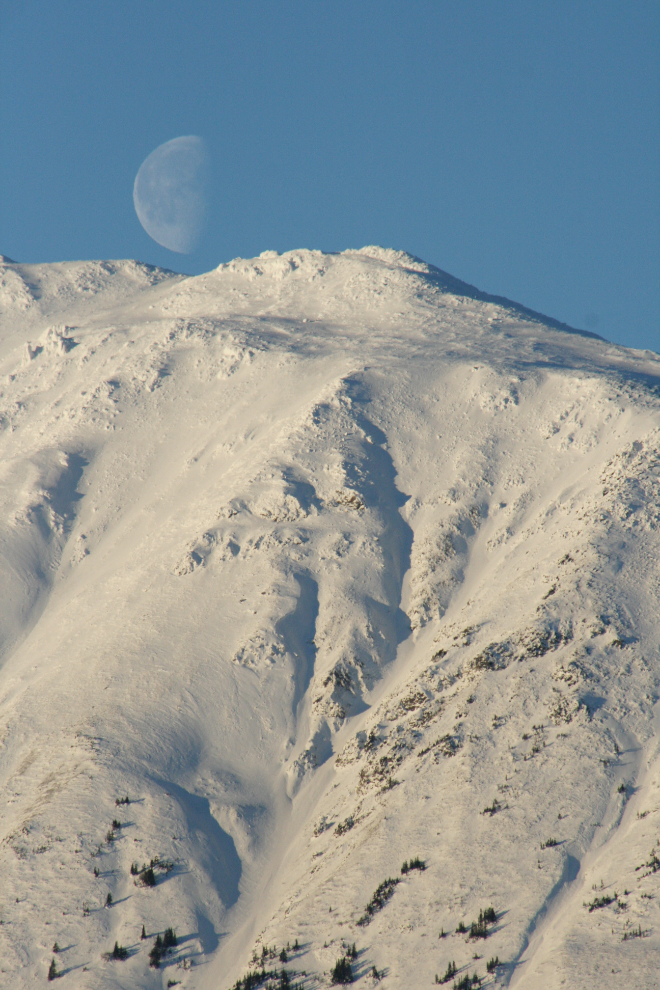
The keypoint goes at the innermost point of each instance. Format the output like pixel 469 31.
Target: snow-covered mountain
pixel 326 563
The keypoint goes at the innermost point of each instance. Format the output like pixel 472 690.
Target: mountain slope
pixel 326 562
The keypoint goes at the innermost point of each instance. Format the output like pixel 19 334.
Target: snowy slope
pixel 326 562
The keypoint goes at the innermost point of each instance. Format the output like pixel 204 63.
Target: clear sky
pixel 516 145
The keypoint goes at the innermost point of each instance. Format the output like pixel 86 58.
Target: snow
pixel 327 561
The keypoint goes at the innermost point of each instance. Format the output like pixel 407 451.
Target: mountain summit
pixel 329 624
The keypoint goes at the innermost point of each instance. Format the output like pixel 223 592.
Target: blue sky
pixel 514 144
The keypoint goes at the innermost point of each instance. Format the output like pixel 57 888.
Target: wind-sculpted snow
pixel 310 566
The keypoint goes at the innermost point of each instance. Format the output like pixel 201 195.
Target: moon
pixel 171 193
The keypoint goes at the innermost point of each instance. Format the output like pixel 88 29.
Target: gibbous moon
pixel 171 193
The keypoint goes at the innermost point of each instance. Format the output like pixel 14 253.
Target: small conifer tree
pixel 450 971
pixel 341 971
pixel 148 877
pixel 156 953
pixel 478 928
pixel 52 971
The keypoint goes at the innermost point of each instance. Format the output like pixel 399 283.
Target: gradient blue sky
pixel 514 144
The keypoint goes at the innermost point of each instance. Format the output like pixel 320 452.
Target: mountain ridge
pixel 326 567
pixel 401 259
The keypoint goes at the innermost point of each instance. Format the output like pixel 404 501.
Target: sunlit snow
pixel 326 562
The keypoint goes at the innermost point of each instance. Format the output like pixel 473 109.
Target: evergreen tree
pixel 451 971
pixel 342 971
pixel 148 877
pixel 155 953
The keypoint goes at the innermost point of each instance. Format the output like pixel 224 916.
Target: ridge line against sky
pixel 515 147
